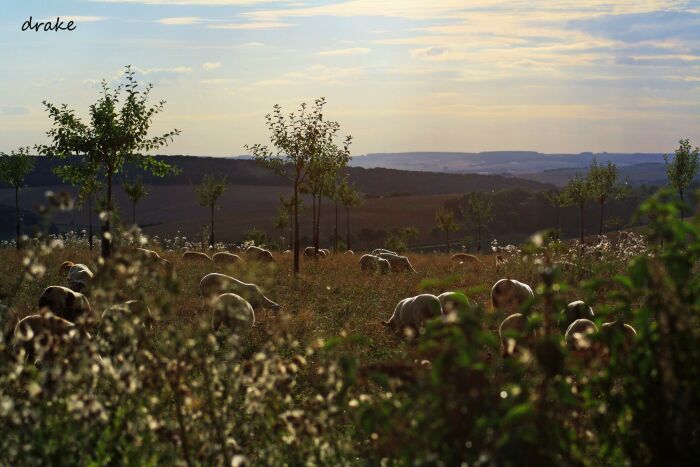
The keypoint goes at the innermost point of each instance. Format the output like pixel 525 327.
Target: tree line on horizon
pixel 303 149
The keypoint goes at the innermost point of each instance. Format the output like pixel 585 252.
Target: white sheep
pixel 510 295
pixel 573 311
pixel 64 302
pixel 374 264
pixel 454 302
pixel 196 256
pixel 215 284
pixel 40 334
pixel 413 312
pixel 379 251
pixel 513 333
pixel 152 256
pixel 232 311
pixel 255 253
pixel 464 258
pixel 578 335
pixel 136 310
pixel 398 263
pixel 349 252
pixel 79 277
pixel 224 257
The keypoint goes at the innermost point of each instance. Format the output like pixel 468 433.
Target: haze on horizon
pixel 399 75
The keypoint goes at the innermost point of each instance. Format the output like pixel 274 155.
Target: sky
pixel 399 75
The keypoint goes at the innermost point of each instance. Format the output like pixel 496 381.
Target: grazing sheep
pixel 64 302
pixel 224 257
pixel 609 331
pixel 325 251
pixel 374 264
pixel 196 256
pixel 287 252
pixel 232 311
pixel 455 302
pixel 465 258
pixel 153 256
pixel 513 333
pixel 398 263
pixel 310 251
pixel 510 295
pixel 215 284
pixel 349 252
pixel 255 253
pixel 577 335
pixel 65 267
pixel 132 308
pixel 572 312
pixel 413 312
pixel 79 277
pixel 379 251
pixel 40 335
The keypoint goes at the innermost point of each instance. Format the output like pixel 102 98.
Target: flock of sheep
pixel 233 303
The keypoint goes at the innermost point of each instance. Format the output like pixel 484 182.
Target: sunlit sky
pixel 399 75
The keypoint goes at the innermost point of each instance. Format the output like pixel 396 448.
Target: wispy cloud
pixel 181 20
pixel 190 2
pixel 343 52
pixel 77 18
pixel 252 25
pixel 11 111
pixel 211 65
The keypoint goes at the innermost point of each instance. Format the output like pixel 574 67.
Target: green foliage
pixel 15 166
pixel 682 169
pixel 255 235
pixel 210 190
pixel 477 209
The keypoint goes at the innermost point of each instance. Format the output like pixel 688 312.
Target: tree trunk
pixel 211 233
pixel 17 218
pixel 347 224
pixel 680 193
pixel 317 228
pixel 133 212
pixel 582 206
pixel 291 231
pixel 296 227
pixel 557 232
pixel 335 230
pixel 90 222
pixel 313 220
pixel 600 226
pixel 106 249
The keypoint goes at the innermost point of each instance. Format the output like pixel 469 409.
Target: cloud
pixel 77 18
pixel 181 20
pixel 211 65
pixel 252 26
pixel 190 2
pixel 11 111
pixel 172 70
pixel 343 52
pixel 431 53
pixel 253 44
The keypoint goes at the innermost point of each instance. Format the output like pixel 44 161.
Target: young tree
pixel 410 234
pixel 297 140
pixel 135 191
pixel 86 194
pixel 478 209
pixel 208 193
pixel 287 207
pixel 602 180
pixel 349 198
pixel 281 223
pixel 557 199
pixel 445 221
pixel 113 137
pixel 578 192
pixel 14 168
pixel 682 169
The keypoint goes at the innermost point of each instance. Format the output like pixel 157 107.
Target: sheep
pixel 79 277
pixel 39 335
pixel 65 267
pixel 513 333
pixel 413 312
pixel 215 284
pixel 196 256
pixel 572 312
pixel 349 252
pixel 398 263
pixel 611 329
pixel 224 257
pixel 256 253
pixel 310 252
pixel 510 295
pixel 464 258
pixel 577 335
pixel 152 256
pixel 379 251
pixel 132 308
pixel 453 302
pixel 65 303
pixel 374 264
pixel 232 311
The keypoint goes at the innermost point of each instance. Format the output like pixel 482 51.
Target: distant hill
pixel 638 174
pixel 497 162
pixel 379 182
